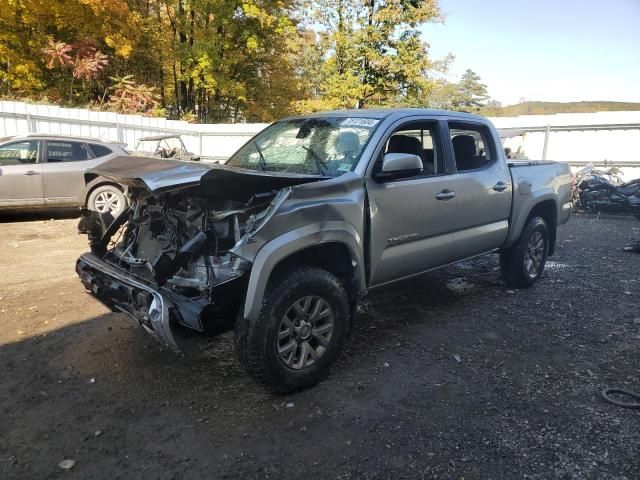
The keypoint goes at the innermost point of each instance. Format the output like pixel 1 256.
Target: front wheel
pixel 523 263
pixel 300 330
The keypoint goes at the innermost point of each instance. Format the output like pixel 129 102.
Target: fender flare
pixel 281 247
pixel 527 208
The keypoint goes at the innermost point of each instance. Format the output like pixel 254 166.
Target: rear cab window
pixel 472 146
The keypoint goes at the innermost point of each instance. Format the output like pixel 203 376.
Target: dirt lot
pixel 448 376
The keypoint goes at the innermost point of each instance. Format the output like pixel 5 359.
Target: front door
pixel 411 219
pixel 20 175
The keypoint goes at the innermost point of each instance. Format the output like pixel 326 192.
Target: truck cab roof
pixel 383 113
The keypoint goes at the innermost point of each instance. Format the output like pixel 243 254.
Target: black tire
pixel 100 197
pixel 257 341
pixel 515 260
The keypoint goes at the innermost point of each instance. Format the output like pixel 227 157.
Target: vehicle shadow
pixel 35 215
pixel 114 350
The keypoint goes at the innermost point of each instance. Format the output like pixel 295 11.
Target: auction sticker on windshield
pixel 359 122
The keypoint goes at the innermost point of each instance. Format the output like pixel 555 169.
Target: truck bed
pixel 535 181
pixel 528 163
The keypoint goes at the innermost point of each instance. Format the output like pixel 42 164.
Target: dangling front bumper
pixel 122 292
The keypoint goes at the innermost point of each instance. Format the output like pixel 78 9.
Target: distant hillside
pixel 549 108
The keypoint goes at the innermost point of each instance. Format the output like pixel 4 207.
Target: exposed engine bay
pixel 171 258
pixel 179 243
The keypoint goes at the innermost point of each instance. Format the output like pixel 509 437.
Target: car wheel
pixel 523 263
pixel 107 198
pixel 300 330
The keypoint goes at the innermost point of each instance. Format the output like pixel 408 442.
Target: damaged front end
pixel 169 258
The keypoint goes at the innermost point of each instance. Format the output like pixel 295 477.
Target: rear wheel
pixel 107 198
pixel 299 332
pixel 523 263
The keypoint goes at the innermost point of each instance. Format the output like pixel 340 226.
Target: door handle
pixel 500 187
pixel 446 195
pixel 31 172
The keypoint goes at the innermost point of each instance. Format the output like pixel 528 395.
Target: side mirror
pixel 396 163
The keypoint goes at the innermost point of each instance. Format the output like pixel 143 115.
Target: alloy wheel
pixel 107 202
pixel 534 253
pixel 305 332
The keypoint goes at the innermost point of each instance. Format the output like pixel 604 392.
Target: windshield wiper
pixel 317 159
pixel 262 163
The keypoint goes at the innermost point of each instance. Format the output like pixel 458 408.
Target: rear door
pixel 20 174
pixel 63 171
pixel 411 219
pixel 483 189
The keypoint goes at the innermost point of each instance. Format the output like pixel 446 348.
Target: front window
pixel 18 153
pixel 327 146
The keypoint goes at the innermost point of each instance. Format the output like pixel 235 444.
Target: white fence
pixel 211 142
pixel 576 138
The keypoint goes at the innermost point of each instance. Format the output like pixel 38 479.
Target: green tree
pixel 467 95
pixel 471 93
pixel 230 60
pixel 375 54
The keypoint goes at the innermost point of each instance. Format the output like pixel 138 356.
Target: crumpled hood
pixel 160 176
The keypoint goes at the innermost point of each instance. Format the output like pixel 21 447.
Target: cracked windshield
pixel 328 146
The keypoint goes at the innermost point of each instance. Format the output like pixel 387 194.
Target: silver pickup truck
pixel 305 219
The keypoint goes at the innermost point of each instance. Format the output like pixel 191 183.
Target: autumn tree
pixel 84 30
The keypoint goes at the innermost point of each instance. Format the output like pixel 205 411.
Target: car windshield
pixel 164 147
pixel 327 146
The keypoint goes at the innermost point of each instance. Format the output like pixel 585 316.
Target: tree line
pixel 227 60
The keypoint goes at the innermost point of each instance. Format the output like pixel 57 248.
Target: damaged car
pixel 281 242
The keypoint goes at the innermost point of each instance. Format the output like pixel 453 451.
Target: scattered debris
pixel 289 405
pixel 67 464
pixel 459 285
pixel 385 364
pixel 607 395
pixel 457 358
pixel 634 247
pixel 551 265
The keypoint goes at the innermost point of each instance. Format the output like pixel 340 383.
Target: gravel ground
pixel 451 375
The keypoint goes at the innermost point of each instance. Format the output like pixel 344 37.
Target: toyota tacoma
pixel 311 214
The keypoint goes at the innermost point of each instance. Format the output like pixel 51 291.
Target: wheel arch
pixel 93 181
pixel 548 211
pixel 333 246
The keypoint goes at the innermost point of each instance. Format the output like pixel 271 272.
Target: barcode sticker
pixel 359 122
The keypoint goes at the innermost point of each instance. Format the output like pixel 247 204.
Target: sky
pixel 546 50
